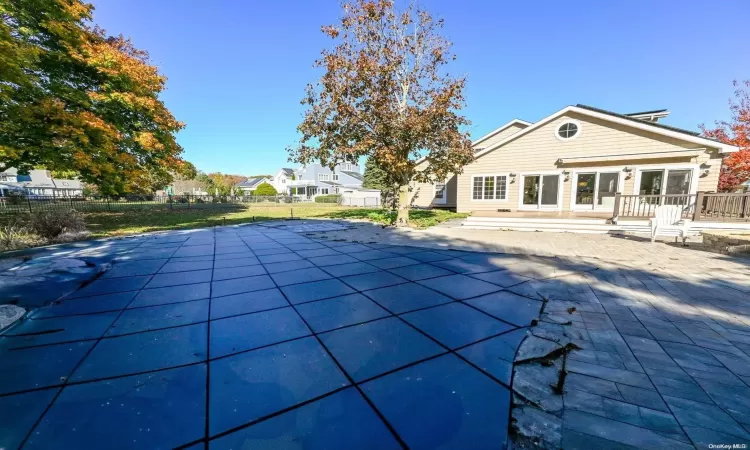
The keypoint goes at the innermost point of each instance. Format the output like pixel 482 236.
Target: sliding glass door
pixel 596 190
pixel 672 182
pixel 541 191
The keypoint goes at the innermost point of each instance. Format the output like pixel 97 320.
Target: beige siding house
pixel 577 159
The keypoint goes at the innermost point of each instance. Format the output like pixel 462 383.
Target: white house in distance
pixel 307 182
pixel 38 182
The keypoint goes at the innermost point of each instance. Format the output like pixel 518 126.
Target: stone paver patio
pixel 281 336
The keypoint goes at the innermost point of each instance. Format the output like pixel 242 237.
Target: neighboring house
pixel 281 179
pixel 315 179
pixel 38 183
pixel 249 185
pixel 576 160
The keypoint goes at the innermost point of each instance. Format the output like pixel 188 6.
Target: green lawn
pixel 130 222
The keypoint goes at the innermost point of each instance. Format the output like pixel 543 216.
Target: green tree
pixel 265 189
pixel 73 98
pixel 386 94
pixel 377 178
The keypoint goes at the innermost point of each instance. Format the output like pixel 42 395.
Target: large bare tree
pixel 386 94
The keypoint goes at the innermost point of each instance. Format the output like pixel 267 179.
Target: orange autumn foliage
pixel 75 99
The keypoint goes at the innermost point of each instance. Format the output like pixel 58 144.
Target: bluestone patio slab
pixel 299 276
pixel 161 316
pixel 324 315
pixel 620 432
pixel 343 419
pixel 512 308
pixel 156 410
pixel 227 273
pixel 86 305
pixel 19 413
pixel 455 325
pixel 172 294
pixel 460 286
pixel 423 403
pixel 179 278
pixel 617 375
pixel 240 333
pixel 142 352
pixel 353 248
pixel 39 367
pixel 240 285
pixel 112 285
pixel 420 272
pixel 697 414
pixel 316 290
pixel 60 329
pixel 369 255
pixel 377 347
pixel 406 297
pixel 247 302
pixel 254 384
pixel 373 280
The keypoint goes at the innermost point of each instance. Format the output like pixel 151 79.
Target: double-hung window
pixel 323 176
pixel 489 187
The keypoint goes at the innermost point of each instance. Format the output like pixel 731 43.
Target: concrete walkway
pixel 289 335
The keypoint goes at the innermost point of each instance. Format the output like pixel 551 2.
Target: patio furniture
pixel 669 218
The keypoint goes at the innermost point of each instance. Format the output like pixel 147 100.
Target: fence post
pixel 616 212
pixel 28 200
pixel 107 200
pixel 169 201
pixel 698 206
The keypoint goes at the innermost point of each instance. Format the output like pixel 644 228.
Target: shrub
pixel 15 198
pixel 16 236
pixel 199 200
pixel 330 198
pixel 265 189
pixel 183 200
pixel 52 224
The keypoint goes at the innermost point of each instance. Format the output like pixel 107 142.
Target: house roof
pixel 355 175
pixel 287 171
pixel 643 113
pixel 498 130
pixel 331 183
pixel 627 117
pixel 657 128
pixel 251 182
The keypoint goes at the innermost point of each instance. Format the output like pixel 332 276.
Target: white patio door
pixel 541 192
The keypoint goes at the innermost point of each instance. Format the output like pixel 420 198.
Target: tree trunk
pixel 402 218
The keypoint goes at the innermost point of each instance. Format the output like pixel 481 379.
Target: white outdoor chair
pixel 669 218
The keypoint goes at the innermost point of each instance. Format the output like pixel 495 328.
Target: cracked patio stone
pixel 9 314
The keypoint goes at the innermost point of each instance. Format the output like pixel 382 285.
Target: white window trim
pixel 566 121
pixel 471 187
pixel 560 184
pixel 322 175
pixel 605 169
pixel 335 177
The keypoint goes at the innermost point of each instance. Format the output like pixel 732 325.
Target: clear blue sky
pixel 237 68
